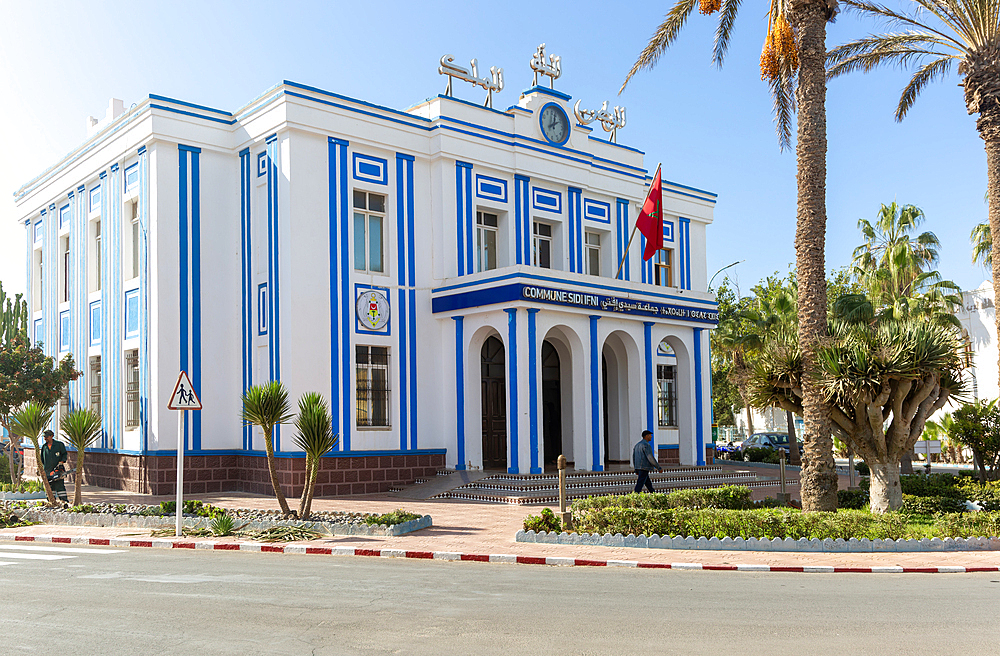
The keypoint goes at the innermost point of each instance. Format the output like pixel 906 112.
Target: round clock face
pixel 555 125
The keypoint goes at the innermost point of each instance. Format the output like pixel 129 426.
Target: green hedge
pixel 762 454
pixel 732 497
pixel 852 499
pixel 968 525
pixel 932 505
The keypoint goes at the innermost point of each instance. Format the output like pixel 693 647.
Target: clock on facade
pixel 554 124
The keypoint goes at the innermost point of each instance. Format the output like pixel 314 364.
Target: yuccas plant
pixel 82 428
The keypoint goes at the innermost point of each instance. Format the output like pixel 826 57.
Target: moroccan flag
pixel 650 221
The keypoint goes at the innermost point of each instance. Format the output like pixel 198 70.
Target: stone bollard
pixel 783 496
pixel 565 515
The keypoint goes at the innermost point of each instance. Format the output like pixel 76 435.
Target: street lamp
pixel 721 270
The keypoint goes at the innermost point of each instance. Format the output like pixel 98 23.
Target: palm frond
pixel 914 43
pixel 874 9
pixel 783 96
pixel 82 428
pixel 662 38
pixel 928 73
pixel 723 34
pixel 982 245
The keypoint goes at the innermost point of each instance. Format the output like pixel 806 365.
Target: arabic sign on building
pixel 574 298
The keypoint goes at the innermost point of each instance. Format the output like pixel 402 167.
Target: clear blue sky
pixel 712 129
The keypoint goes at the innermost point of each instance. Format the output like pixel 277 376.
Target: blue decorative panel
pixel 262 164
pixel 372 312
pixel 262 308
pixel 491 188
pixel 64 330
pixel 63 216
pixel 39 331
pixel 596 211
pixel 370 169
pixel 545 200
pixel 38 231
pixel 131 314
pixel 668 231
pixel 95 199
pixel 132 177
pixel 95 323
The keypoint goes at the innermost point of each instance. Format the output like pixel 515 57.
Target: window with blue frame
pixel 95 323
pixel 38 231
pixel 131 177
pixel 63 216
pixel 64 331
pixel 39 331
pixel 132 314
pixel 262 308
pixel 95 199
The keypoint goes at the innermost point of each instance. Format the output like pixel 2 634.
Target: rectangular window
pixel 486 241
pixel 132 388
pixel 38 231
pixel 95 323
pixel 97 255
pixel 95 199
pixel 131 177
pixel 262 309
pixel 593 245
pixel 541 254
pixel 373 386
pixel 38 284
pixel 65 268
pixel 132 314
pixel 369 217
pixel 63 217
pixel 95 383
pixel 64 331
pixel 39 331
pixel 663 267
pixel 666 395
pixel 134 236
pixel 64 402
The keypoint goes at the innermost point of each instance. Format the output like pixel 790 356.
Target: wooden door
pixel 494 393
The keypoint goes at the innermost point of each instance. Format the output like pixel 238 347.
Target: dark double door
pixel 494 391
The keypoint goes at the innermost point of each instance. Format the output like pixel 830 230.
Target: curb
pixel 557 561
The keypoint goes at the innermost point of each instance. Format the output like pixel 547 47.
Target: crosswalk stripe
pixel 2 564
pixel 25 547
pixel 29 556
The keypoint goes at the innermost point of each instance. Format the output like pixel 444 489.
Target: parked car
pixel 768 441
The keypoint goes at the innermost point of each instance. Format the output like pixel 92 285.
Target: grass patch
pixel 391 518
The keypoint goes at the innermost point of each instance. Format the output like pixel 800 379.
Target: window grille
pixel 95 383
pixel 666 396
pixel 132 388
pixel 372 386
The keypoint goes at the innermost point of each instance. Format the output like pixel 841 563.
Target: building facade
pixel 445 276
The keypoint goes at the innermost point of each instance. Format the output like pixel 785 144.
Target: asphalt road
pixel 151 601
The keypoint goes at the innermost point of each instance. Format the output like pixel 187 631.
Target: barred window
pixel 132 388
pixel 95 383
pixel 373 386
pixel 64 402
pixel 666 395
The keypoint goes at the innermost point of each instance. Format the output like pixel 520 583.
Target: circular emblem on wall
pixel 373 309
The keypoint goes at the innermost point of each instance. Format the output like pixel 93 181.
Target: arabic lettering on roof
pixel 616 304
pixel 471 75
pixel 551 67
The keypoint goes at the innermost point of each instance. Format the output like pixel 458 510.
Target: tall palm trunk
pixel 819 475
pixel 269 447
pixel 992 139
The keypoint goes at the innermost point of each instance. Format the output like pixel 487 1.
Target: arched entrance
pixel 494 404
pixel 622 410
pixel 551 404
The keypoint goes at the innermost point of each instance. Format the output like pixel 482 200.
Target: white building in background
pixel 978 318
pixel 444 275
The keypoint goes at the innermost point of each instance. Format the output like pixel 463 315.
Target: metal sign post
pixel 183 399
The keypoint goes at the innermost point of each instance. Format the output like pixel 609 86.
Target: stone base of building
pixel 672 456
pixel 203 474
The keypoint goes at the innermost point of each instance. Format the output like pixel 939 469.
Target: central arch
pixel 494 403
pixel 621 369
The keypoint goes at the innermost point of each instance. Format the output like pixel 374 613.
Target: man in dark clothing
pixel 644 461
pixel 53 456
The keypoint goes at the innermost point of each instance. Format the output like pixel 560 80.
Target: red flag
pixel 650 221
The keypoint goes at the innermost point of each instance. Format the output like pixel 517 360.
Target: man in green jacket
pixel 54 455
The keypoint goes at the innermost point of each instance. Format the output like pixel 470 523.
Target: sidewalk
pixel 481 530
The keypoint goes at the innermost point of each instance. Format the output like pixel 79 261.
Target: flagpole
pixel 625 254
pixel 659 208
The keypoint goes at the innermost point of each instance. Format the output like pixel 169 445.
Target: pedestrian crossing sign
pixel 184 396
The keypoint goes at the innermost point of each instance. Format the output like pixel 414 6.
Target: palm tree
pixel 29 422
pixel 934 37
pixel 267 406
pixel 82 428
pixel 315 437
pixel 793 64
pixel 891 260
pixel 982 243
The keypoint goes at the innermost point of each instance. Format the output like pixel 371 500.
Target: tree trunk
pixel 312 488
pixel 749 420
pixel 819 474
pixel 886 494
pixel 269 447
pixel 305 488
pixel 14 469
pixel 49 494
pixel 78 479
pixel 793 444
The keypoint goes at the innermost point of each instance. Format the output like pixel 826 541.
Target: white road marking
pixel 26 556
pixel 2 564
pixel 26 547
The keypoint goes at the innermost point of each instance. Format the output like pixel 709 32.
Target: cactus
pixel 13 316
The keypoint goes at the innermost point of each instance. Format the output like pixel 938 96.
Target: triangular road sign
pixel 184 396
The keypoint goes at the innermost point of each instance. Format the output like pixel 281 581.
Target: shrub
pixel 4 467
pixel 732 497
pixel 544 521
pixel 191 507
pixel 852 499
pixel 968 525
pixel 27 485
pixel 762 454
pixel 222 525
pixel 85 508
pixel 987 495
pixel 935 485
pixel 931 505
pixel 397 516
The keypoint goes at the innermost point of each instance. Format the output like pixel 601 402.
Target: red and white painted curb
pixel 482 558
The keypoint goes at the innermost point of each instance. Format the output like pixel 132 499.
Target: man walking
pixel 53 456
pixel 644 461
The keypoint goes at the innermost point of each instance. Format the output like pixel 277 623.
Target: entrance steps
pixel 543 489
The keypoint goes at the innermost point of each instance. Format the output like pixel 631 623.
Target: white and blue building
pixel 445 275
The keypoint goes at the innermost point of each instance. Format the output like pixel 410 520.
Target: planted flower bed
pixel 199 518
pixel 688 518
